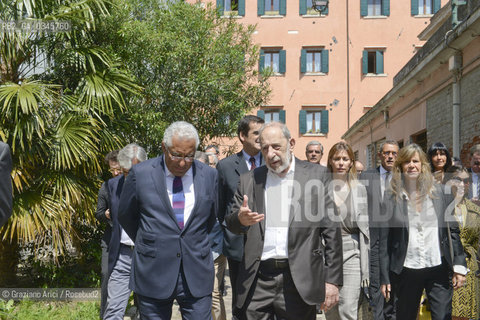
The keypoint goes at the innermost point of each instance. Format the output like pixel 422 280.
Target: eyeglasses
pixel 388 153
pixel 178 157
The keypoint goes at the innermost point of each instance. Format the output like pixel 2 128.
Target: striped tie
pixel 178 200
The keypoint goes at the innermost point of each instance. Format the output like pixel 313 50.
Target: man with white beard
pixel 293 252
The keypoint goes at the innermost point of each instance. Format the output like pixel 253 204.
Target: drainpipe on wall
pixel 455 67
pixel 348 67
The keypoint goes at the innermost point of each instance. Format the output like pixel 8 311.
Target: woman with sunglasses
pixel 466 300
pixel 350 198
pixel 440 160
pixel 419 249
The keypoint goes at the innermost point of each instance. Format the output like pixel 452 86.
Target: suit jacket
pixel 103 204
pixel 5 183
pixel 114 187
pixel 470 188
pixel 229 171
pixel 161 247
pixel 314 240
pixel 359 207
pixel 394 237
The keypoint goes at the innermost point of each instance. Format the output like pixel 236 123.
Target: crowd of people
pixel 299 238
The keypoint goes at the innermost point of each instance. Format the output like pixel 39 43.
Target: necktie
pixel 252 161
pixel 386 183
pixel 178 200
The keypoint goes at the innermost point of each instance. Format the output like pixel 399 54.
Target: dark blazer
pixel 5 183
pixel 229 171
pixel 312 263
pixel 470 184
pixel 394 237
pixel 146 214
pixel 114 187
pixel 103 203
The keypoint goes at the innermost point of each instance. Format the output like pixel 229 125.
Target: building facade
pixel 435 97
pixel 329 69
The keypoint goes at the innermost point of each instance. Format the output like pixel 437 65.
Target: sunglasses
pixel 466 180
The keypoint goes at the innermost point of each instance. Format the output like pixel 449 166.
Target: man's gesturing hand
pixel 331 296
pixel 246 216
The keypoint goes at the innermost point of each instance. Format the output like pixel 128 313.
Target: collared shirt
pixel 383 175
pixel 475 181
pixel 125 239
pixel 258 159
pixel 188 190
pixel 423 249
pixel 278 200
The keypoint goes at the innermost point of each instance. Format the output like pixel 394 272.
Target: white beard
pixel 285 163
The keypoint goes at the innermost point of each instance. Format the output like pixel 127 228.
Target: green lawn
pixel 27 310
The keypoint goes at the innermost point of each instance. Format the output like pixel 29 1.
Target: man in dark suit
pixel 293 247
pixel 103 216
pixel 5 183
pixel 474 171
pixel 168 205
pixel 229 171
pixel 120 246
pixel 376 182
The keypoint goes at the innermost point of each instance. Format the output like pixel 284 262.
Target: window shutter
pixel 365 62
pixel 363 8
pixel 260 7
pixel 241 8
pixel 385 7
pixel 281 116
pixel 283 7
pixel 283 61
pixel 302 121
pixel 303 61
pixel 261 114
pixel 303 7
pixel 325 61
pixel 414 8
pixel 220 7
pixel 379 60
pixel 436 6
pixel 324 121
pixel 261 61
pixel 325 12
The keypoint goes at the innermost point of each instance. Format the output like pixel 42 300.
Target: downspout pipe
pixel 455 67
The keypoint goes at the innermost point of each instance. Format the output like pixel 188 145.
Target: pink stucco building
pixel 330 69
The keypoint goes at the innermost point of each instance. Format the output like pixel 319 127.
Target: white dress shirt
pixel 423 250
pixel 278 200
pixel 258 159
pixel 188 190
pixel 475 181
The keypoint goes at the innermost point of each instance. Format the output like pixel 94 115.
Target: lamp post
pixel 320 5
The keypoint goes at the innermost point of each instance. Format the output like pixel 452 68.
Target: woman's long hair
pixel 425 180
pixel 438 146
pixel 343 146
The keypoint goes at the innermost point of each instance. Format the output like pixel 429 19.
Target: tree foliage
pixel 59 92
pixel 194 65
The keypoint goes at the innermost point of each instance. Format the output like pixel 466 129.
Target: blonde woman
pixel 419 250
pixel 350 198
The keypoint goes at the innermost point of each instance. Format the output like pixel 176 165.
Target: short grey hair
pixel 391 142
pixel 181 130
pixel 314 143
pixel 282 126
pixel 475 149
pixel 201 156
pixel 211 154
pixel 129 153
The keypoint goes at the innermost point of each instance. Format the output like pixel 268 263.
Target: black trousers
pixel 408 287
